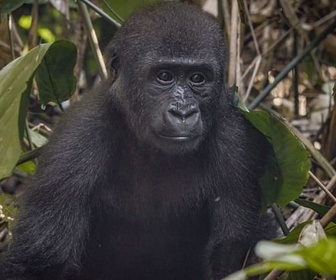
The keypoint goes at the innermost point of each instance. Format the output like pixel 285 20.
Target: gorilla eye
pixel 165 77
pixel 197 79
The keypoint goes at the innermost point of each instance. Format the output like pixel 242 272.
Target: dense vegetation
pixel 282 58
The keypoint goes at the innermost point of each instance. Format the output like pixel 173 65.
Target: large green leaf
pixel 54 76
pixel 15 82
pixel 15 85
pixel 283 181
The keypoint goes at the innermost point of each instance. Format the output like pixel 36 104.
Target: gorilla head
pixel 170 74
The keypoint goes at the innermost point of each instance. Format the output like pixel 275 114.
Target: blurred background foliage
pixel 281 57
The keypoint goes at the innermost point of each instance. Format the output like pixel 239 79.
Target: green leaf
pixel 123 7
pixel 330 230
pixel 272 180
pixel 9 210
pixel 293 236
pixel 38 139
pixel 28 167
pixel 283 181
pixel 319 258
pixel 7 6
pixel 301 275
pixel 54 76
pixel 15 86
pixel 318 208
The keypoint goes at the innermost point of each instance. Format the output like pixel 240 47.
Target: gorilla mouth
pixel 177 137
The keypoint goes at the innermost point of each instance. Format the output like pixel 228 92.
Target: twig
pixel 33 28
pixel 93 40
pixel 100 12
pixel 258 60
pixel 227 17
pixel 324 19
pixel 10 35
pixel 292 17
pixel 254 74
pixel 326 219
pixel 274 274
pixel 29 155
pixel 325 189
pixel 278 41
pixel 233 43
pixel 113 11
pixel 291 65
pixel 320 198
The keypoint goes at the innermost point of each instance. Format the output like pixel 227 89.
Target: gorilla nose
pixel 186 114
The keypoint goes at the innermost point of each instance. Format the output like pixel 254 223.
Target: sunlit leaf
pixel 15 85
pixel 319 258
pixel 28 167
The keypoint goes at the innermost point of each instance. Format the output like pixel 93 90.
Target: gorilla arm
pixel 54 221
pixel 236 225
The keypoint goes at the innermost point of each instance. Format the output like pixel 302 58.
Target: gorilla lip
pixel 176 138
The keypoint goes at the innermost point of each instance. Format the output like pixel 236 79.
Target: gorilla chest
pixel 170 247
pixel 148 188
pixel 157 225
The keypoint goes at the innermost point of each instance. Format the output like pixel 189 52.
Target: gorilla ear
pixel 114 65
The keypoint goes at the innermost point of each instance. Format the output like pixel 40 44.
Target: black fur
pixel 113 200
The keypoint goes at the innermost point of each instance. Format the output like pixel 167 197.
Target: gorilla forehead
pixel 171 30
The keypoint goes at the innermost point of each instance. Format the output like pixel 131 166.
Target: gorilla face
pixel 176 90
pixel 170 108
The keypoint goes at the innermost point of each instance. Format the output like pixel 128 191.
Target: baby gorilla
pixel 152 176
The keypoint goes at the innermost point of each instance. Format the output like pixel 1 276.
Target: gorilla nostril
pixel 183 114
pixel 176 113
pixel 191 113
